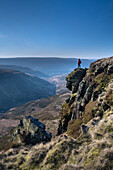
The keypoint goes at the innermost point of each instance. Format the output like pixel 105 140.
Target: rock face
pixel 91 94
pixel 74 78
pixel 31 131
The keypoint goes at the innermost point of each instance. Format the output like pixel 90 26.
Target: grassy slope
pixel 93 150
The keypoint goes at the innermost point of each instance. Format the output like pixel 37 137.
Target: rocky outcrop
pixel 74 78
pixel 90 88
pixel 31 131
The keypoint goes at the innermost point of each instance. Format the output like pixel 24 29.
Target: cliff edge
pixel 91 95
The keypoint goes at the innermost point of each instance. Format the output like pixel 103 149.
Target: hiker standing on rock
pixel 79 62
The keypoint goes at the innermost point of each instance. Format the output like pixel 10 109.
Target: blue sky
pixel 64 28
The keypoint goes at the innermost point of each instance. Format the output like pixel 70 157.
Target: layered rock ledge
pixel 91 93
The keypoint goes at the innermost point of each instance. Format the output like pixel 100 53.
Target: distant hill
pixel 25 70
pixel 50 66
pixel 17 88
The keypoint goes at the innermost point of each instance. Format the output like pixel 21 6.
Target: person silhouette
pixel 79 62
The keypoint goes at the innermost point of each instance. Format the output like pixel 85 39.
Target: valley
pixel 46 110
pixel 27 81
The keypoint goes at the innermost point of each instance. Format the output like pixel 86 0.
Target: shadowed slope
pixel 17 88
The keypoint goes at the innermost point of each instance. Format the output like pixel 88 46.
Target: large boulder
pixel 31 131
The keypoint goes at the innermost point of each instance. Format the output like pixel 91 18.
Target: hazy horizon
pixel 66 57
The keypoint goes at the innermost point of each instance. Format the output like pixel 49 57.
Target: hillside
pixel 25 70
pixel 85 127
pixel 17 88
